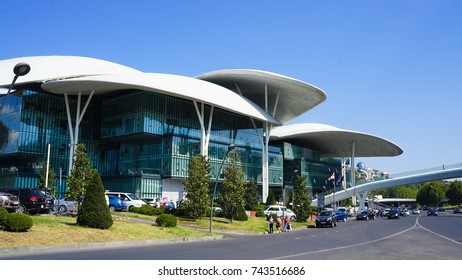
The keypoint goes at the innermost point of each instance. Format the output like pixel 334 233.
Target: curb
pixel 100 245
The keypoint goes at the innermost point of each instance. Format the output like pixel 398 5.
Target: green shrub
pixel 147 209
pixel 94 211
pixel 260 213
pixel 166 220
pixel 3 214
pixel 135 210
pixel 17 222
pixel 241 216
pixel 158 211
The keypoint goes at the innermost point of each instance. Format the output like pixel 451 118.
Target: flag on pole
pixel 332 177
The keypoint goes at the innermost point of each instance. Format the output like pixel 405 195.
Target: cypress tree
pixel 94 211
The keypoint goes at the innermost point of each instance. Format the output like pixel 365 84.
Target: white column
pixel 352 171
pixel 74 131
pixel 205 135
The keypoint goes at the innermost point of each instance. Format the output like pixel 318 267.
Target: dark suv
pixel 326 218
pixel 31 200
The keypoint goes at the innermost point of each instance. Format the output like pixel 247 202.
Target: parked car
pixel 116 204
pixel 9 201
pixel 393 214
pixel 416 211
pixel 31 201
pixel 457 210
pixel 66 206
pixel 130 199
pixel 50 202
pixel 326 218
pixel 432 212
pixel 154 202
pixel 279 211
pixel 366 215
pixel 341 215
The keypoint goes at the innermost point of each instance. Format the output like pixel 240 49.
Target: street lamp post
pixel 230 148
pixel 284 197
pixel 19 69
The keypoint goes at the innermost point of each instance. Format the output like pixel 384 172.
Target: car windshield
pixel 365 212
pixel 132 196
pixel 36 193
pixel 324 213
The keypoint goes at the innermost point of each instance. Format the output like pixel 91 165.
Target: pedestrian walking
pixel 271 224
pixel 287 224
pixel 278 224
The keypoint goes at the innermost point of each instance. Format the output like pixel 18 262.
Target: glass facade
pixel 137 140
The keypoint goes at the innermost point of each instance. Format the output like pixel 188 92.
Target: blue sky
pixel 389 68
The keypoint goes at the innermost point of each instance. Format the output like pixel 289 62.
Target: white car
pixel 415 211
pixel 280 211
pixel 130 199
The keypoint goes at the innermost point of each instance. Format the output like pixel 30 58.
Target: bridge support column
pixel 362 200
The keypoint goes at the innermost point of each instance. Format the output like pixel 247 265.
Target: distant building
pixel 141 129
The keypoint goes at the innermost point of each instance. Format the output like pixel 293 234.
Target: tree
pixel 94 211
pixel 42 178
pixel 197 188
pixel 432 193
pixel 270 200
pixel 302 201
pixel 80 176
pixel 251 195
pixel 454 193
pixel 232 193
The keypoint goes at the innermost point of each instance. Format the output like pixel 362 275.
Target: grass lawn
pixel 253 225
pixel 60 230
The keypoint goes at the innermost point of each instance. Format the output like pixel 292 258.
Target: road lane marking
pixel 437 234
pixel 345 247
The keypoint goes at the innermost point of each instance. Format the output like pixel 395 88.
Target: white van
pixel 130 199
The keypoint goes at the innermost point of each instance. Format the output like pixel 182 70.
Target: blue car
pixel 116 204
pixel 341 215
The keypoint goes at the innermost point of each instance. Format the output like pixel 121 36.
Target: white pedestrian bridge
pixel 415 177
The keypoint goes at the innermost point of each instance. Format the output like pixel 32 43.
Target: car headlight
pixel 329 220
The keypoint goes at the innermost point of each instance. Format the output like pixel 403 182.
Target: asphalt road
pixel 416 237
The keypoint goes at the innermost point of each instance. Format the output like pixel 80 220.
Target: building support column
pixel 352 171
pixel 205 135
pixel 74 131
pixel 362 200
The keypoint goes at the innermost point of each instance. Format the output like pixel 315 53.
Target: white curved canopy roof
pixel 295 97
pixel 174 85
pixel 45 68
pixel 334 142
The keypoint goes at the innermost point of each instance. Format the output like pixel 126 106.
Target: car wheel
pixel 112 208
pixel 62 208
pixel 21 209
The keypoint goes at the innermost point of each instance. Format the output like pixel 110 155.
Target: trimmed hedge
pixel 3 214
pixel 166 220
pixel 17 222
pixel 147 209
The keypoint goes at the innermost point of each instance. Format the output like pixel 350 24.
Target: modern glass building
pixel 141 129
